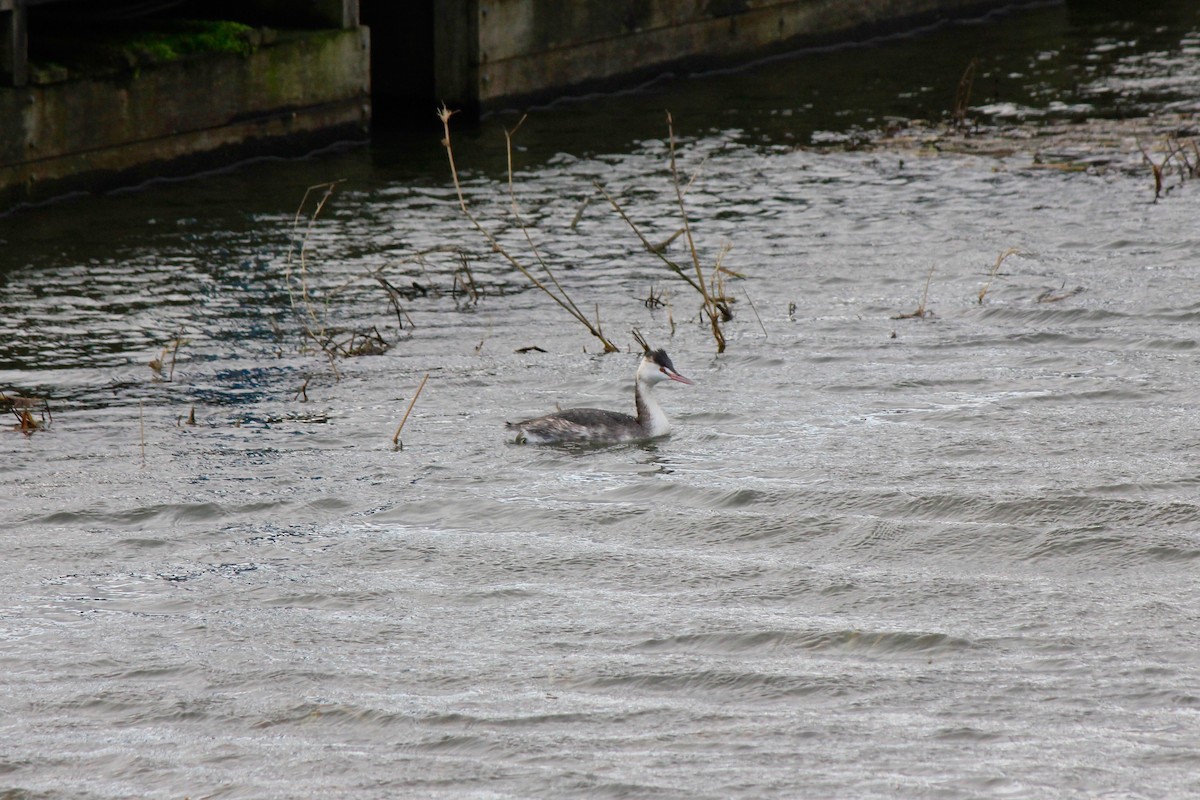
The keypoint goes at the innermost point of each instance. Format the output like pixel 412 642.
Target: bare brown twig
pixel 557 293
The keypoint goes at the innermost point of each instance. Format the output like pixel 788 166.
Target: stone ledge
pixel 94 132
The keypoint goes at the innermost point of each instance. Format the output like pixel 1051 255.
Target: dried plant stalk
pixel 557 293
pixel 1012 251
pixel 710 306
pixel 407 411
pixel 921 311
pixel 715 304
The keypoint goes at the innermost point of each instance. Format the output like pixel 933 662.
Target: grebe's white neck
pixel 655 368
pixel 649 413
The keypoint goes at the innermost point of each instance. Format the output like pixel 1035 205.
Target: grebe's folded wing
pixel 578 425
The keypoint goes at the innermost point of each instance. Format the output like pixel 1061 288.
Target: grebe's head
pixel 656 366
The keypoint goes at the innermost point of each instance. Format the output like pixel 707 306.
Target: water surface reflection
pixel 878 557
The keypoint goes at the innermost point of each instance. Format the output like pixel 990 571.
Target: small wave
pixel 685 496
pixel 155 516
pixel 886 642
pixel 331 715
pixel 717 684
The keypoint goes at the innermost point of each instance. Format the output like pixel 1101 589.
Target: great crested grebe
pixel 581 425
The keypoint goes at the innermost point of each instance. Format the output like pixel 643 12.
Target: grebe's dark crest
pixel 581 425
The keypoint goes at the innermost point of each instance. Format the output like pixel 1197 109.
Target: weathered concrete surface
pixel 303 90
pixel 490 51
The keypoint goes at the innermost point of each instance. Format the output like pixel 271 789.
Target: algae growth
pixel 182 38
pixel 101 50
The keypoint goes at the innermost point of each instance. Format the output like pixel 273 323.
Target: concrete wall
pixel 303 90
pixel 494 51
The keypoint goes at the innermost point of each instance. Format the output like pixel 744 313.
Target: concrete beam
pixel 490 51
pixel 305 90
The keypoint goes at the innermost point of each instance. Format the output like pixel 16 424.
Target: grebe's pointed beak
pixel 675 376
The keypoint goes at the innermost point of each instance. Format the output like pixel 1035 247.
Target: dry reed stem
pixel 315 327
pixel 565 302
pixel 921 313
pixel 468 283
pixel 715 304
pixel 710 306
pixel 156 364
pixel 962 97
pixel 1049 296
pixel 174 354
pixel 1175 151
pixel 717 282
pixel 516 212
pixel 756 316
pixel 312 221
pixel 1012 251
pixel 657 250
pixel 394 296
pixel 1156 170
pixel 579 214
pixel 407 411
pixel 662 246
pixel 26 423
pixel 142 426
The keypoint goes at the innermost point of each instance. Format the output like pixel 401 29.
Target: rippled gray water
pixel 944 557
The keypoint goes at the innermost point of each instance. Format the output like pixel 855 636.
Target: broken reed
pixel 962 96
pixel 1177 151
pixel 921 311
pixel 1012 251
pixel 172 348
pixel 550 285
pixel 23 407
pixel 396 439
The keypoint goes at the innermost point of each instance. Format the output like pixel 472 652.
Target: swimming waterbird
pixel 593 425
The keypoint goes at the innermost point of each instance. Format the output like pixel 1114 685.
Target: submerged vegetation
pixel 32 413
pixel 1180 156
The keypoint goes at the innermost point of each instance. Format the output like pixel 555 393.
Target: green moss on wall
pixel 178 39
pixel 133 48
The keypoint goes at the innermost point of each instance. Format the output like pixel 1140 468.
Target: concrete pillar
pixel 342 13
pixel 456 54
pixel 14 42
